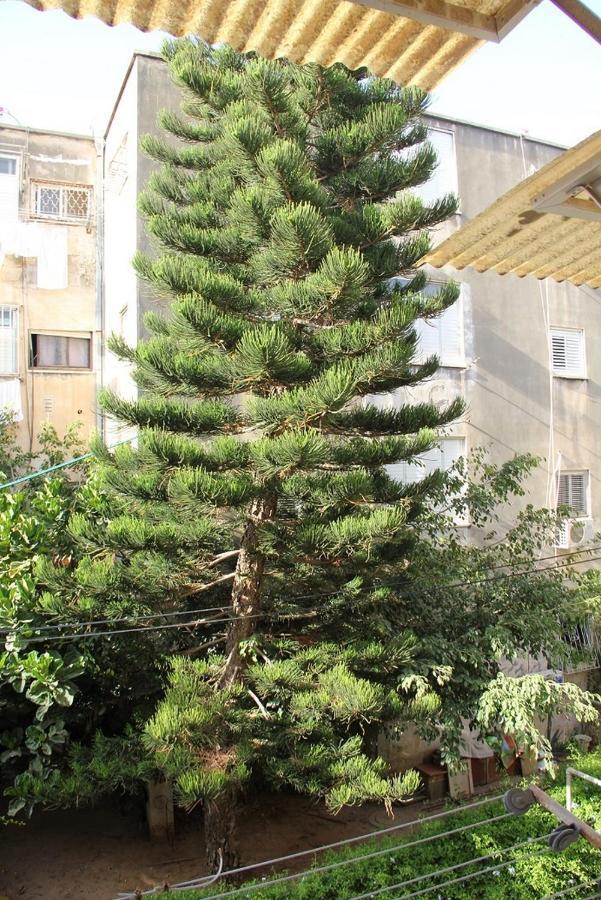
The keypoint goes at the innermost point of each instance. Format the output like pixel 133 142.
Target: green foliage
pixel 283 214
pixel 529 877
pixel 516 705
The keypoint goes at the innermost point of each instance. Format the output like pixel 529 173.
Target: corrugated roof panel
pixel 323 31
pixel 516 236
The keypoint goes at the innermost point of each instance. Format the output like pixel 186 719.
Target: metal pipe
pixel 569 773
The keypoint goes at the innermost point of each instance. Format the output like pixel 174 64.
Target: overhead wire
pixel 62 465
pixel 127 618
pixel 487 871
pixel 361 837
pixel 577 887
pixel 375 854
pixel 90 634
pixel 438 872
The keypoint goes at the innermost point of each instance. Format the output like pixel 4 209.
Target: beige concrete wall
pixel 59 396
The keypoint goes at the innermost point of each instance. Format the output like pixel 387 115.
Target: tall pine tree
pixel 284 214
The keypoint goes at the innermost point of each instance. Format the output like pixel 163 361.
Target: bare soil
pixel 93 854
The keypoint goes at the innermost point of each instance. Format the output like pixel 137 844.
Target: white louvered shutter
pixel 9 190
pixel 567 351
pixel 442 335
pixel 451 450
pixel 428 332
pixel 8 340
pixel 572 492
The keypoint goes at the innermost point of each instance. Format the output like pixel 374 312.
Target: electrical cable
pixel 76 635
pixel 486 871
pixel 92 634
pixel 361 837
pixel 577 887
pixel 438 872
pixel 125 619
pixel 327 868
pixel 58 626
pixel 390 850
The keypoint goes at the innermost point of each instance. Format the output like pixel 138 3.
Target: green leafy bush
pixel 529 877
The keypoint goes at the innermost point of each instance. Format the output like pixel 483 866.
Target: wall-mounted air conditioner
pixel 573 533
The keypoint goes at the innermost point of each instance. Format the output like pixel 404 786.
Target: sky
pixel 543 79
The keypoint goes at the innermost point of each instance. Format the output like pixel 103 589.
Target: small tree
pixel 284 220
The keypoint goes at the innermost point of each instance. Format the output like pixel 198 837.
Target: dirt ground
pixel 93 854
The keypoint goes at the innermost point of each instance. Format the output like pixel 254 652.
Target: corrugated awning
pixel 411 41
pixel 548 226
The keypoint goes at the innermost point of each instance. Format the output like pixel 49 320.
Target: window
pixel 442 457
pixel 8 340
pixel 9 189
pixel 59 201
pixel 572 491
pixel 443 334
pixel 8 165
pixel 54 351
pixel 444 177
pixel 567 352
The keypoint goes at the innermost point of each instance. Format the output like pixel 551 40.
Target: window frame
pixel 15 316
pixel 63 215
pixel 460 521
pixel 448 362
pixel 454 189
pixel 7 154
pixel 580 374
pixel 78 335
pixel 586 492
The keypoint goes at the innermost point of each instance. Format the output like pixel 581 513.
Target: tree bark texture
pixel 220 827
pixel 246 589
pixel 220 814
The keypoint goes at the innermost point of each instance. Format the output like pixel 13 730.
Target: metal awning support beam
pixel 443 14
pixel 582 16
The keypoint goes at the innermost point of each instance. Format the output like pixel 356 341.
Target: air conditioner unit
pixel 573 533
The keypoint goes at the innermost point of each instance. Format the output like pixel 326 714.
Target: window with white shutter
pixel 8 340
pixel 567 352
pixel 9 189
pixel 442 457
pixel 572 491
pixel 442 335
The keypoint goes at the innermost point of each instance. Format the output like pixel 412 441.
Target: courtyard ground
pixel 93 854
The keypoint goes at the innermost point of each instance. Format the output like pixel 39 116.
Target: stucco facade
pixel 49 302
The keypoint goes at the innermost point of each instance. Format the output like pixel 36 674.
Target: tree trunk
pixel 220 814
pixel 220 828
pixel 246 589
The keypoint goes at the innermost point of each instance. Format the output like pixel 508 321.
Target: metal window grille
pixel 572 492
pixel 54 201
pixel 582 644
pixel 8 339
pixel 567 351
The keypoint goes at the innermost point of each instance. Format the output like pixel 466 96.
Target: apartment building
pixel 49 315
pixel 520 351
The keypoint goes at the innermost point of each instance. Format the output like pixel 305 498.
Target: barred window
pixel 61 201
